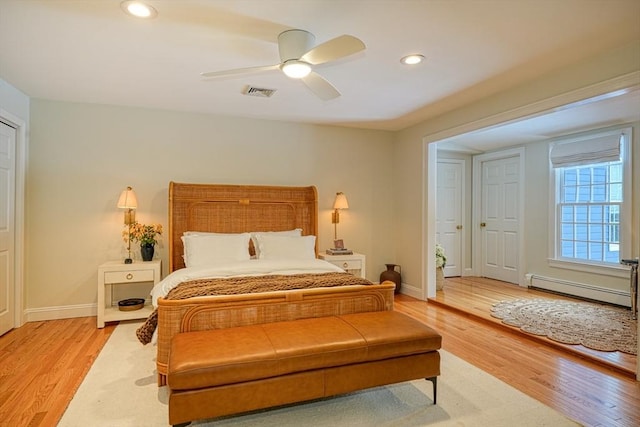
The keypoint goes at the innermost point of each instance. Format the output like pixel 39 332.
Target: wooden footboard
pixel 227 311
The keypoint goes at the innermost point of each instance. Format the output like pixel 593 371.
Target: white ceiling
pixel 90 51
pixel 618 108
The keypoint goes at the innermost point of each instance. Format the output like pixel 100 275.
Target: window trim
pixel 626 212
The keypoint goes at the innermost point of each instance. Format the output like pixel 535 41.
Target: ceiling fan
pixel 298 56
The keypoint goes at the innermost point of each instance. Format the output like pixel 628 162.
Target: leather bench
pixel 228 371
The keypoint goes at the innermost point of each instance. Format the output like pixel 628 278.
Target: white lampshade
pixel 128 199
pixel 341 201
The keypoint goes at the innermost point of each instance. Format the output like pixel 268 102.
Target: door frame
pixel 476 254
pixel 21 169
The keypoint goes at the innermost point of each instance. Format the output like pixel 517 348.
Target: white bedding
pixel 253 267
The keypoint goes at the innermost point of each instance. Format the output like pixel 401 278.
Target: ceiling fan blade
pixel 321 87
pixel 240 71
pixel 333 49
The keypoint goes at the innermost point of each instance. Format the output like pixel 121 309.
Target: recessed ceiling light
pixel 413 59
pixel 139 9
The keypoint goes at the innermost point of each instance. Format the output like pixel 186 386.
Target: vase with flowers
pixel 441 262
pixel 146 235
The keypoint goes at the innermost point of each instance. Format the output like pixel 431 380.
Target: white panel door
pixel 7 225
pixel 500 219
pixel 449 213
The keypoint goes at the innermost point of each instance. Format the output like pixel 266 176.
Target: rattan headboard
pixel 237 209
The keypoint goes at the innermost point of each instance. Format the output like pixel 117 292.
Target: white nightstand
pixel 116 273
pixel 354 263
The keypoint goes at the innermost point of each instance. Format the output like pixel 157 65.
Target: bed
pixel 267 214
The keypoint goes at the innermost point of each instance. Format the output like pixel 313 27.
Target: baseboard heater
pixel 597 293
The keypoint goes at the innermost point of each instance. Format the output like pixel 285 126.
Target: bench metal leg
pixel 434 381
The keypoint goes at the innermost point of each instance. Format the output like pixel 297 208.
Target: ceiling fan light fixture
pixel 139 9
pixel 296 69
pixel 412 59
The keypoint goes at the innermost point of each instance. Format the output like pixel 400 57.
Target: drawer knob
pixel 129 276
pixel 345 265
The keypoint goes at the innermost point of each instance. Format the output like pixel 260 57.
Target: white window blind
pixel 587 151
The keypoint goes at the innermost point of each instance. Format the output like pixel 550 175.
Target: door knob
pixel 458 227
pixel 483 224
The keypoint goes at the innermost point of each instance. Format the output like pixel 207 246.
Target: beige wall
pixel 83 156
pixel 410 151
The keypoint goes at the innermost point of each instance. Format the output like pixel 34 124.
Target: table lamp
pixel 129 202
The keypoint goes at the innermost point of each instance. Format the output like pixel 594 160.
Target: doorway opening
pixel 537 122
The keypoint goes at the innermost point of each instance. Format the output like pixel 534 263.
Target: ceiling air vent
pixel 258 91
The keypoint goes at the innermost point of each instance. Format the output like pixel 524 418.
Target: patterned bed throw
pixel 247 285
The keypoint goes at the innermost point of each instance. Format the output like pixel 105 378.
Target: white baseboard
pixel 598 293
pixel 60 312
pixel 411 291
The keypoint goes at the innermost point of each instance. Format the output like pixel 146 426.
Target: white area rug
pixel 121 390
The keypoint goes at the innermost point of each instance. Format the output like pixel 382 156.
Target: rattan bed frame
pixel 237 209
pixel 244 208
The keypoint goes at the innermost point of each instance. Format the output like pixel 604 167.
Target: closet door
pixel 7 226
pixel 449 217
pixel 501 219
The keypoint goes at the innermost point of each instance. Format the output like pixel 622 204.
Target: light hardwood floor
pixel 586 392
pixel 43 363
pixel 476 295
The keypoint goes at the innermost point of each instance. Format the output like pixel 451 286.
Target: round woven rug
pixel 595 326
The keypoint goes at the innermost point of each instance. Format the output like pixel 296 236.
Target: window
pixel 591 179
pixel 589 212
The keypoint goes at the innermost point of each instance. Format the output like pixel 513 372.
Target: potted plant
pixel 147 235
pixel 441 262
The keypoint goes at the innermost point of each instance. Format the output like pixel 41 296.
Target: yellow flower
pixel 145 234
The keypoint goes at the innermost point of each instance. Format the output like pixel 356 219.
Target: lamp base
pixel 128 261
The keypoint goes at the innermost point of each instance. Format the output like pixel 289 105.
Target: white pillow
pixel 206 249
pixel 297 232
pixel 286 247
pixel 207 233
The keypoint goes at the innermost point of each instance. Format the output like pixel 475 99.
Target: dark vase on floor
pixel 391 274
pixel 147 251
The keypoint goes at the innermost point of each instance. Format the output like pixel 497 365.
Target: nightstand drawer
pixel 128 276
pixel 352 264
